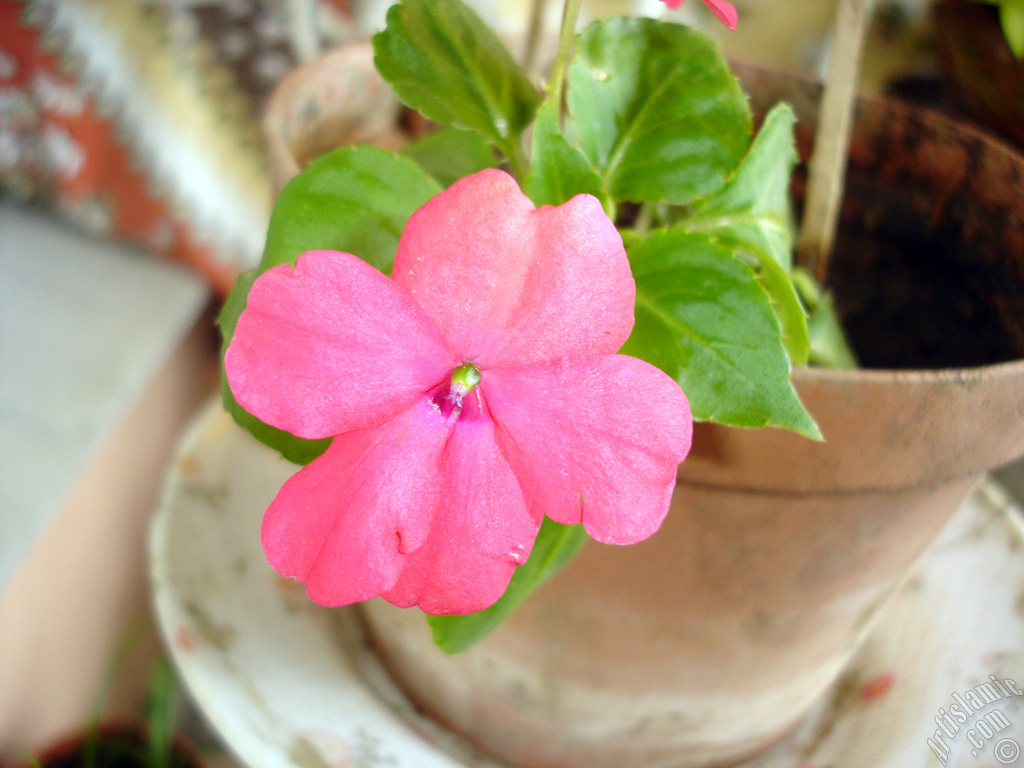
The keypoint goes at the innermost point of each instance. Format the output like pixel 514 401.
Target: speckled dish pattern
pixel 288 684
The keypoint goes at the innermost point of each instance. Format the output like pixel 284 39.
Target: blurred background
pixel 135 185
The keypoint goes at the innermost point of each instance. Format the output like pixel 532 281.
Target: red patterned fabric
pixel 89 145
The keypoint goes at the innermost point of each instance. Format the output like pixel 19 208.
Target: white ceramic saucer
pixel 284 682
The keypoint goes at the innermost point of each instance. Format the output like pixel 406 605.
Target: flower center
pixel 464 378
pixel 448 398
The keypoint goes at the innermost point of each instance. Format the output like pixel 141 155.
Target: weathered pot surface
pixel 707 642
pixel 336 100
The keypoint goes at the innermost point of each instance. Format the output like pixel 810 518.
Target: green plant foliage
pixel 654 125
pixel 1011 16
pixel 558 170
pixel 451 154
pixel 554 547
pixel 752 214
pixel 829 347
pixel 444 62
pixel 703 318
pixel 161 714
pixel 656 110
pixel 356 200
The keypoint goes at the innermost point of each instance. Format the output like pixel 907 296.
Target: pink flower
pixel 725 12
pixel 470 395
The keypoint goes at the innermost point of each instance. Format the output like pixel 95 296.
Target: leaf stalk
pixel 556 87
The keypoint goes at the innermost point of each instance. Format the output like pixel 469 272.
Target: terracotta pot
pixel 980 73
pixel 705 644
pixel 68 752
pixel 336 100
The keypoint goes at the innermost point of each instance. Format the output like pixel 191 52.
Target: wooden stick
pixel 827 169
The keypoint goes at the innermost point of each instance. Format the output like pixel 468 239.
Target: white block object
pixel 84 326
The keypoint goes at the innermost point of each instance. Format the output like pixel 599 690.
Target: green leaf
pixel 356 200
pixel 451 154
pixel 704 319
pixel 752 209
pixel 558 170
pixel 752 214
pixel 554 547
pixel 1011 16
pixel 444 62
pixel 829 346
pixel 161 714
pixel 656 110
pixel 788 309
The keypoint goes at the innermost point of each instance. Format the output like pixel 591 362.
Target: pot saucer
pixel 286 683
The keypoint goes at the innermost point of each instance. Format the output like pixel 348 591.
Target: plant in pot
pixel 577 269
pixel 151 742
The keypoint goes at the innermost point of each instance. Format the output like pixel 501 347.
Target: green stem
pixel 516 160
pixel 565 40
pixel 128 642
pixel 644 219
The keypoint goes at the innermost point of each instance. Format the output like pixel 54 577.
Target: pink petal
pixel 481 530
pixel 422 510
pixel 673 4
pixel 725 12
pixel 330 346
pixel 342 523
pixel 510 284
pixel 595 440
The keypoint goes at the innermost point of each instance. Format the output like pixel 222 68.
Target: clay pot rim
pixel 283 94
pixel 914 376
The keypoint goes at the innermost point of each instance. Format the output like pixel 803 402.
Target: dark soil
pixel 928 270
pixel 929 267
pixel 910 296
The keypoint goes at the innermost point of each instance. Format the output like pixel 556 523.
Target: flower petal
pixel 480 532
pixel 510 284
pixel 342 523
pixel 331 346
pixel 725 12
pixel 595 440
